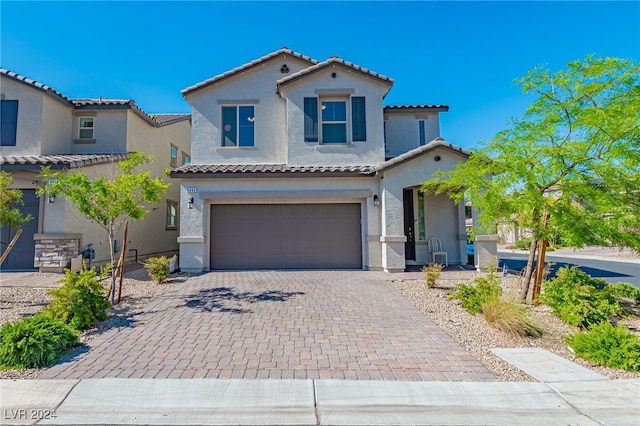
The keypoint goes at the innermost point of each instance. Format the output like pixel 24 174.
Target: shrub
pixel 510 318
pixel 432 273
pixel 34 342
pixel 486 289
pixel 604 344
pixel 524 243
pixel 81 301
pixel 579 299
pixel 158 268
pixel 624 291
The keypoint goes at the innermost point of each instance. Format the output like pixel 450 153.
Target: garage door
pixel 306 236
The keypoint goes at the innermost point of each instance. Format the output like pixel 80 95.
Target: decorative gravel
pixel 474 334
pixel 138 290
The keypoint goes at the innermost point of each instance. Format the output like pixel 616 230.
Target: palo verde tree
pixel 568 169
pixel 10 214
pixel 109 201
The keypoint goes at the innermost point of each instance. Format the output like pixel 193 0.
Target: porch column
pixel 392 239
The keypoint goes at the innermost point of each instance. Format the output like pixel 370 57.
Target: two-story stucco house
pixel 42 127
pixel 297 164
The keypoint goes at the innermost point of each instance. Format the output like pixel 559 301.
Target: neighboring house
pixel 41 127
pixel 297 164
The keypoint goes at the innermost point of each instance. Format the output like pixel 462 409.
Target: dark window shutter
pixel 311 119
pixel 8 122
pixel 359 122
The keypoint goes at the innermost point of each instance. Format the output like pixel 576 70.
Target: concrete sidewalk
pixel 313 402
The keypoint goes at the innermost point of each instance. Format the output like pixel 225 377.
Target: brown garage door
pixel 306 236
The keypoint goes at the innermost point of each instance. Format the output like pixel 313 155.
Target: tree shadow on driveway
pixel 225 299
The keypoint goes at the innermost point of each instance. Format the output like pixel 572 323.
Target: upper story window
pixel 173 162
pixel 8 122
pixel 186 159
pixel 421 132
pixel 338 121
pixel 86 128
pixel 238 125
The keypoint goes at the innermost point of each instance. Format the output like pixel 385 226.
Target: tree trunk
pixel 526 279
pixel 112 292
pixel 542 250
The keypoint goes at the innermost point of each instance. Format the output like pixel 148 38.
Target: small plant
pixel 604 344
pixel 523 244
pixel 34 342
pixel 81 301
pixel 485 289
pixel 510 318
pixel 432 273
pixel 579 299
pixel 158 268
pixel 624 291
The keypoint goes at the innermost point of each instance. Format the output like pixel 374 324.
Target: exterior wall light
pixel 190 203
pixel 376 201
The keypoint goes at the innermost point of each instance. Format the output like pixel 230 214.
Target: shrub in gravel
pixel 81 301
pixel 34 342
pixel 510 318
pixel 483 289
pixel 432 273
pixel 523 244
pixel 604 344
pixel 579 299
pixel 158 268
pixel 624 291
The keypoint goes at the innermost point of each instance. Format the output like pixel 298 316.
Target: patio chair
pixel 435 248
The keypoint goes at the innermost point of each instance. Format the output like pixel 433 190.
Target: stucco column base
pixel 393 253
pixel 486 250
pixel 191 257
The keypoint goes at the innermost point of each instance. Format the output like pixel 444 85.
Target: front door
pixel 21 256
pixel 409 223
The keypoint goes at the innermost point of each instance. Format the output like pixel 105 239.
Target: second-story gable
pixel 334 114
pixel 408 127
pixel 237 116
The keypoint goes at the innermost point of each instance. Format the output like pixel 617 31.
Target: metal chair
pixel 435 248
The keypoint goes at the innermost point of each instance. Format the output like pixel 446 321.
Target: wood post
pixel 122 259
pixel 10 246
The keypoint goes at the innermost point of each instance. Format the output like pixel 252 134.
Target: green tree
pixel 569 168
pixel 109 202
pixel 10 214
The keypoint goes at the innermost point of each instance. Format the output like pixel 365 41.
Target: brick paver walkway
pixel 278 324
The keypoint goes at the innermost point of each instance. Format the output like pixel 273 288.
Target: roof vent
pixel 284 69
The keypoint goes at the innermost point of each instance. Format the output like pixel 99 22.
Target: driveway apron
pixel 281 325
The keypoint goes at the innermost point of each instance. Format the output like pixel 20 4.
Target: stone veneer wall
pixel 55 251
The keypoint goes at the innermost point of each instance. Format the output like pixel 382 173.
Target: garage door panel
pixel 286 236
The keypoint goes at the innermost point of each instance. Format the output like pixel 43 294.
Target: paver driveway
pixel 278 324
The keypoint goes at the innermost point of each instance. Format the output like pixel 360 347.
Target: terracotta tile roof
pixel 332 62
pixel 36 85
pixel 70 161
pixel 98 103
pixel 416 108
pixel 417 152
pixel 274 170
pixel 247 66
pixel 164 119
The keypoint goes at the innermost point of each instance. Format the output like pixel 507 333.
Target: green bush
pixel 81 301
pixel 624 291
pixel 524 243
pixel 432 273
pixel 579 299
pixel 34 342
pixel 483 290
pixel 604 344
pixel 158 268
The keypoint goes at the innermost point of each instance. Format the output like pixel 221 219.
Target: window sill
pixel 84 141
pixel 334 146
pixel 236 148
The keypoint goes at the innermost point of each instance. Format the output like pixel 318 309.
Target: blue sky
pixel 463 54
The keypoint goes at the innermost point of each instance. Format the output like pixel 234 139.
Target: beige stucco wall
pixel 56 127
pixel 345 85
pixel 403 132
pixel 30 106
pixel 253 87
pixel 109 131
